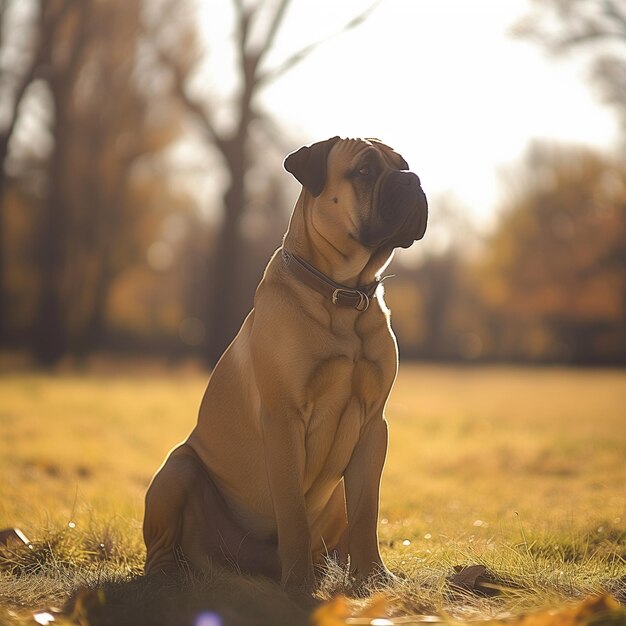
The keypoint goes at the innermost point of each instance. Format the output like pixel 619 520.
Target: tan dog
pixel 285 462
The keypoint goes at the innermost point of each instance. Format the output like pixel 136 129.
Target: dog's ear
pixel 308 165
pixel 394 158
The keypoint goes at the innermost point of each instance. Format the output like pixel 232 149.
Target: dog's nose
pixel 409 178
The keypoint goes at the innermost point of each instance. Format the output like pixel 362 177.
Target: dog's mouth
pixel 402 214
pixel 415 224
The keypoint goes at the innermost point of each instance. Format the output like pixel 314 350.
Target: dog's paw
pixel 382 577
pixel 377 578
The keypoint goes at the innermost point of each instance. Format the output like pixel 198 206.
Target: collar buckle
pixel 364 300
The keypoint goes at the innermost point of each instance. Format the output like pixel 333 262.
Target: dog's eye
pixel 365 171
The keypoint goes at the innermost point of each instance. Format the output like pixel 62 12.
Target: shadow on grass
pixel 210 599
pixel 100 571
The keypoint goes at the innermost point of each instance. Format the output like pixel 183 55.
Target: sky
pixel 442 81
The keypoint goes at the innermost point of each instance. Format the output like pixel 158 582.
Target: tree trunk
pixel 225 316
pixel 50 334
pixel 223 311
pixel 91 337
pixel 3 296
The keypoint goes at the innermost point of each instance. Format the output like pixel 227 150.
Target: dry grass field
pixel 521 470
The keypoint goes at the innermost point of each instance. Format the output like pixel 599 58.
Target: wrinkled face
pixel 362 192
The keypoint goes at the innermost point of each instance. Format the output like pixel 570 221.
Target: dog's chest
pixel 346 390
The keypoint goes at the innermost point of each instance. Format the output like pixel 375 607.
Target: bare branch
pixel 48 24
pixel 587 23
pixel 244 20
pixel 244 17
pixel 304 52
pixel 180 65
pixel 609 77
pixel 4 5
pixel 566 25
pixel 274 133
pixel 583 38
pixel 617 11
pixel 238 6
pixel 201 114
pixel 274 27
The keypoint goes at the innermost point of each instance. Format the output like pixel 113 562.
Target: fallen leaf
pixel 376 607
pixel 13 537
pixel 476 579
pixel 337 612
pixel 332 613
pixel 593 611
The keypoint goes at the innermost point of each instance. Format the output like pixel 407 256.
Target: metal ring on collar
pixel 361 305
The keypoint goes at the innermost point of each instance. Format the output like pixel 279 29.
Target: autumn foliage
pixel 600 610
pixel 108 241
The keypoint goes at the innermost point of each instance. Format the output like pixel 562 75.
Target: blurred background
pixel 142 189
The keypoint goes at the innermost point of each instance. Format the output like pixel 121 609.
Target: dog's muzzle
pixel 402 212
pixel 403 202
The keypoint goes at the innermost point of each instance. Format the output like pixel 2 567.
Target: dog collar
pixel 351 297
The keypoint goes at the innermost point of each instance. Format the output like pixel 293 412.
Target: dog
pixel 285 462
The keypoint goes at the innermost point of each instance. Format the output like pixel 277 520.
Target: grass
pixel 517 469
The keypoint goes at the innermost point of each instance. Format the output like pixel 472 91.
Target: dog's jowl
pixel 283 467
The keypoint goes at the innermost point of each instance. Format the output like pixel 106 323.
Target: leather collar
pixel 351 297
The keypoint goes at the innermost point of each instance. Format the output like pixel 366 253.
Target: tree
pixel 435 311
pixel 61 66
pixel 257 27
pixel 599 27
pixel 109 226
pixel 555 267
pixel 93 216
pixel 28 54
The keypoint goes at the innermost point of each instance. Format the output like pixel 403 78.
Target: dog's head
pixel 363 190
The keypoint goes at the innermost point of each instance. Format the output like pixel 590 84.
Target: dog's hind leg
pixel 187 521
pixel 165 503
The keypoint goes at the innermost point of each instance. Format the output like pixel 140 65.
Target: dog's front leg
pixel 285 456
pixel 362 484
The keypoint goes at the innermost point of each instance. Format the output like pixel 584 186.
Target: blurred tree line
pixel 110 241
pixel 547 284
